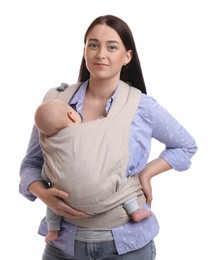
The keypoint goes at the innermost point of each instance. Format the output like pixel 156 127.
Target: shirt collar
pixel 78 98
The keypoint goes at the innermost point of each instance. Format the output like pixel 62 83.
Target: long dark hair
pixel 130 73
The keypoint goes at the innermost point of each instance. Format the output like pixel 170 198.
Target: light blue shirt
pixel 151 121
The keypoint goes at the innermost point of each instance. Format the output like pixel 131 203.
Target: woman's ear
pixel 128 57
pixel 84 52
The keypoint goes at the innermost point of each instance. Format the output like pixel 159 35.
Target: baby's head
pixel 53 115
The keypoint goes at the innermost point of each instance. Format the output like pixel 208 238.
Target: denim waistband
pixel 93 235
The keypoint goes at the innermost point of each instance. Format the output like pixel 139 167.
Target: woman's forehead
pixel 103 32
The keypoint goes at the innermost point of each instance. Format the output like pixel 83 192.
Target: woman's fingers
pixel 57 204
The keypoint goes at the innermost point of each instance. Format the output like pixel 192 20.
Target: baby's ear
pixel 71 116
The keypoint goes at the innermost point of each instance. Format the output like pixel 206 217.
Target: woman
pixel 110 60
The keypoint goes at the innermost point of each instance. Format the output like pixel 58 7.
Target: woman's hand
pixel 53 198
pixel 152 169
pixel 147 188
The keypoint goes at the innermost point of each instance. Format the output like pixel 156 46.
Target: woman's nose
pixel 101 53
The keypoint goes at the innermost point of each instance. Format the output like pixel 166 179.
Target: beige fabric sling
pixel 89 161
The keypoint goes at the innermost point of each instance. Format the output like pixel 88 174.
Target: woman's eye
pixel 93 45
pixel 112 48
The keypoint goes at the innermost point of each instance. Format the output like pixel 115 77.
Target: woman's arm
pixel 180 146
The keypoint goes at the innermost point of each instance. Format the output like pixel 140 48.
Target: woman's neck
pixel 102 89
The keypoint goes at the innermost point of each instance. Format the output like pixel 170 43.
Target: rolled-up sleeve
pixel 31 165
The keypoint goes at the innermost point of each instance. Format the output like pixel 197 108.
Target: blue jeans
pixel 99 251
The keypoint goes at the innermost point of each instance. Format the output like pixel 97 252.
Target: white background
pixel 41 46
